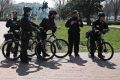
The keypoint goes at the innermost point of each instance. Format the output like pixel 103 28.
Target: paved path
pixel 115 26
pixel 61 69
pixel 3 30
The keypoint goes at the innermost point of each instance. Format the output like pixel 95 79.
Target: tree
pixel 108 9
pixel 59 4
pixel 116 8
pixel 4 6
pixel 86 7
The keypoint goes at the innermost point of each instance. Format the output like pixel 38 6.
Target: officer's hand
pixel 73 22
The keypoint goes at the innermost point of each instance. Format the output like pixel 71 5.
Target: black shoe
pixel 70 54
pixel 101 56
pixel 15 55
pixel 77 55
pixel 45 55
pixel 24 61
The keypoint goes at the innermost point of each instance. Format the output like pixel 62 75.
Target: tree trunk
pixel 115 17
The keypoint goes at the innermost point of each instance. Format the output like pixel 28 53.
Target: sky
pixel 50 2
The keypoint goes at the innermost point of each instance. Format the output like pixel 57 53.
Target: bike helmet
pixel 101 14
pixel 52 12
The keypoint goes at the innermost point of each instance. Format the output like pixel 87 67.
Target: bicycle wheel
pixel 107 51
pixel 12 50
pixel 45 50
pixel 31 49
pixel 61 48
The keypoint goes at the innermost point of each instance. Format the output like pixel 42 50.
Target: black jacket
pixel 48 24
pixel 76 26
pixel 13 24
pixel 26 24
pixel 97 25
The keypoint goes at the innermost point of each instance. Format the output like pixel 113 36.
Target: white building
pixel 36 10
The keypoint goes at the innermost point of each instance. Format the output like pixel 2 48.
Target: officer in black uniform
pixel 74 24
pixel 13 25
pixel 48 24
pixel 26 27
pixel 98 27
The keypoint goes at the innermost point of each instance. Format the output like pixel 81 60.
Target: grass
pixel 113 36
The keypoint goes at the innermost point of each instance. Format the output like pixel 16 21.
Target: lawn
pixel 113 36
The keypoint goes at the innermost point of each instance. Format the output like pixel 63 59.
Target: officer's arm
pixel 18 23
pixel 68 23
pixel 33 24
pixel 106 28
pixel 8 23
pixel 81 23
pixel 42 24
pixel 54 28
pixel 93 26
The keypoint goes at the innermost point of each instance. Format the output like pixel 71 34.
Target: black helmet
pixel 52 12
pixel 101 14
pixel 27 9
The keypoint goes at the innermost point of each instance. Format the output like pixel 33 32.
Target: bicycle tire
pixel 63 46
pixel 11 52
pixel 104 51
pixel 31 51
pixel 39 53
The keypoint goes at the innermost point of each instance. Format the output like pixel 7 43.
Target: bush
pixel 114 23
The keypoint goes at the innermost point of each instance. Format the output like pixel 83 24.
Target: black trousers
pixel 9 46
pixel 95 41
pixel 74 41
pixel 42 36
pixel 24 46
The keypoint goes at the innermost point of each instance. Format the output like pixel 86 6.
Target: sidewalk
pixel 61 69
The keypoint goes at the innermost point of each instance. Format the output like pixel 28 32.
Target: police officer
pixel 26 27
pixel 48 24
pixel 13 25
pixel 74 24
pixel 98 27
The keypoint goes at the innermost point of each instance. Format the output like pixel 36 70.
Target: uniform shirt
pixel 74 27
pixel 13 24
pixel 48 24
pixel 99 25
pixel 26 24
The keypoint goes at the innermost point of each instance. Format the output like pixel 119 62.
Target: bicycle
pixel 107 49
pixel 44 47
pixel 13 41
pixel 60 44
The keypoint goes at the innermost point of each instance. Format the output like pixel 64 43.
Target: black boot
pixel 8 54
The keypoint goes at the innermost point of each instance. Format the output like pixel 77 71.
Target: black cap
pixel 75 11
pixel 101 14
pixel 27 9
